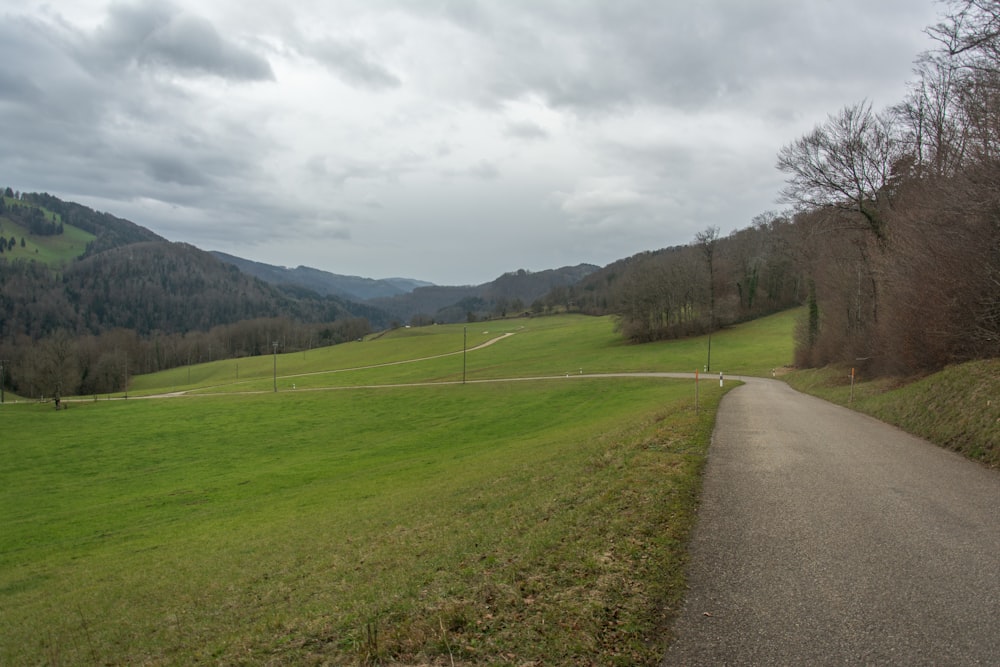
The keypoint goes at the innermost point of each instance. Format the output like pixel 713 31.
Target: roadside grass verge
pixel 502 524
pixel 957 408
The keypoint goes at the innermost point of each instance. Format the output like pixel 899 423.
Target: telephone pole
pixel 275 365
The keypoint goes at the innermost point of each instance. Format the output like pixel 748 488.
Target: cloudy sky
pixel 445 140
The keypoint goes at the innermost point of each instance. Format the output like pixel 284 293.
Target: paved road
pixel 828 538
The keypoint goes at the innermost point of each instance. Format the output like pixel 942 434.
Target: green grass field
pixel 54 251
pixel 538 347
pixel 502 523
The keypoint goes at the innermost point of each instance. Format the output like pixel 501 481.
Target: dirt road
pixel 828 538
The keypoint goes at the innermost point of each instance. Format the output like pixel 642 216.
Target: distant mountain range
pixel 406 298
pixel 324 283
pixel 91 272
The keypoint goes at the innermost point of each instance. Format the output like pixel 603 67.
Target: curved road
pixel 826 537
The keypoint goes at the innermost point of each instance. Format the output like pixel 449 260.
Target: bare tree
pixel 969 39
pixel 844 164
pixel 932 115
pixel 57 366
pixel 970 33
pixel 707 241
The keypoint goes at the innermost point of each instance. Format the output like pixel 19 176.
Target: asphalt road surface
pixel 829 538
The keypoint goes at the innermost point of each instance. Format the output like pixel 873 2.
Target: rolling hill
pixel 88 299
pixel 324 283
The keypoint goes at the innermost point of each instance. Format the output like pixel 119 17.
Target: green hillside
pixel 490 523
pixel 57 250
pixel 535 347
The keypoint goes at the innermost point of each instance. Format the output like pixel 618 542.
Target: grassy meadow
pixel 53 251
pixel 536 347
pixel 350 521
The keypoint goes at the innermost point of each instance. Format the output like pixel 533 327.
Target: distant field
pixel 498 523
pixel 545 346
pixel 51 250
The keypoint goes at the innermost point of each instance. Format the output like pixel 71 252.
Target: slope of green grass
pixel 538 347
pixel 54 251
pixel 489 523
pixel 958 408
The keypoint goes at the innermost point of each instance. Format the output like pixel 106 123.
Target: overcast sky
pixel 445 140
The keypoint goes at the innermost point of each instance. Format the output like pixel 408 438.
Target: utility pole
pixel 708 364
pixel 275 366
pixel 465 345
pixel 707 240
pixel 2 362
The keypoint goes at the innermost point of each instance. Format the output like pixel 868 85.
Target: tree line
pixel 110 231
pixel 892 238
pixel 900 212
pixel 30 217
pixel 64 364
pixel 891 241
pixel 146 307
pixel 694 289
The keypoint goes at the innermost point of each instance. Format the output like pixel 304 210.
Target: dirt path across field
pixel 192 392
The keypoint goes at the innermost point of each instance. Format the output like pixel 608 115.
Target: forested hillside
pixel 130 302
pixel 149 306
pixel 688 290
pixel 355 288
pixel 892 239
pixel 111 232
pixel 510 294
pixel 174 288
pixel 900 212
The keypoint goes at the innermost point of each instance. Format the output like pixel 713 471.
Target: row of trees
pixel 111 231
pixel 900 212
pixel 503 297
pixel 64 364
pixel 9 244
pixel 32 218
pixel 156 304
pixel 694 289
pixel 892 241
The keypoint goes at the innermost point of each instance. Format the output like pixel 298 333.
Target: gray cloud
pixel 568 130
pixel 597 56
pixel 525 130
pixel 159 35
pixel 16 86
pixel 352 62
pixel 485 170
pixel 172 170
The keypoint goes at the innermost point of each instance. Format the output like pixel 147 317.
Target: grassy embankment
pixel 958 408
pixel 538 522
